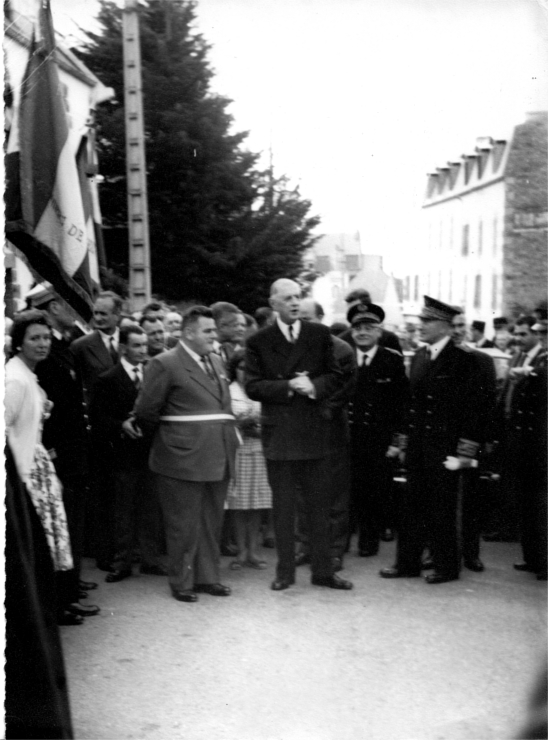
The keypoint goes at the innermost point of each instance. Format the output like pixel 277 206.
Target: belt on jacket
pixel 199 417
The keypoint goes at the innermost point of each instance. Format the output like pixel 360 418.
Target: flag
pixel 45 216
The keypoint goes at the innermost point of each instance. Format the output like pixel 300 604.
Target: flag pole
pixel 139 242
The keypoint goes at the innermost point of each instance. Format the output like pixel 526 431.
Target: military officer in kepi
pixel 376 415
pixel 443 429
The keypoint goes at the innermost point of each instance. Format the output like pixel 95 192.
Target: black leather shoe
pixel 280 584
pixel 524 566
pixel 367 552
pixel 103 565
pixel 83 611
pixel 387 535
pixel 435 577
pixel 337 564
pixel 332 582
pixel 474 564
pixel 87 585
pixel 66 618
pixel 117 575
pixel 153 570
pixel 182 595
pixel 213 589
pixel 301 558
pixel 397 573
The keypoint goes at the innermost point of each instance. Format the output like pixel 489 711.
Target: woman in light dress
pixel 26 407
pixel 250 493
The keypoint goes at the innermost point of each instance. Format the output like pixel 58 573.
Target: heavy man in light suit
pixel 185 398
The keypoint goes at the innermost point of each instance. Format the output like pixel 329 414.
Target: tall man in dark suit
pixel 377 408
pixel 136 510
pixel 290 369
pixel 336 413
pixel 520 409
pixel 474 503
pixel 442 437
pixel 185 401
pixel 65 436
pixel 94 354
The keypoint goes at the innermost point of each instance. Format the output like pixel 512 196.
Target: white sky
pixel 361 98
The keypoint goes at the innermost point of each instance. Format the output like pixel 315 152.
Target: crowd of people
pixel 170 438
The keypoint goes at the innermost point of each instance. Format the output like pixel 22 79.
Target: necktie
pixel 291 335
pixel 136 379
pixel 112 351
pixel 208 368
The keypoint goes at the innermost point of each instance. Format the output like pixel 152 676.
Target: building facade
pixel 485 228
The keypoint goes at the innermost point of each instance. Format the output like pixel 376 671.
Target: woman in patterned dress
pixel 250 493
pixel 26 406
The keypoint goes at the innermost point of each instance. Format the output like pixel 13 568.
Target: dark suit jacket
pixel 92 359
pixel 113 399
pixel 175 385
pixel 380 399
pixel 293 427
pixel 445 411
pixel 65 431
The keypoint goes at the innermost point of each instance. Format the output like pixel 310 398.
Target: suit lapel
pixel 197 374
pixel 97 347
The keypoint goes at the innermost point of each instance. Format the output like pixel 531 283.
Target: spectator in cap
pixel 479 339
pixel 441 436
pixel 387 338
pixel 376 414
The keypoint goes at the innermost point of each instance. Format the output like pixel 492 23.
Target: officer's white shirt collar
pixel 366 358
pixel 437 347
pixel 195 356
pixel 130 369
pixel 107 337
pixel 284 328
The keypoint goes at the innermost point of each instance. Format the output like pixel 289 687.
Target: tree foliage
pixel 220 228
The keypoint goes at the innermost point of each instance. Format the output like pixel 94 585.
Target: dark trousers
pixel 137 518
pixel 193 518
pixel 312 477
pixel 338 462
pixel 429 519
pixel 533 507
pixel 371 508
pixel 74 500
pixel 474 507
pixel 100 509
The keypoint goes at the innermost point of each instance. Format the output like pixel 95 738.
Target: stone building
pixel 485 227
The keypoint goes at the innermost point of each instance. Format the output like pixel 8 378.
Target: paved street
pixel 390 660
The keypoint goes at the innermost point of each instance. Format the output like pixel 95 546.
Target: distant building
pixel 343 267
pixel 485 232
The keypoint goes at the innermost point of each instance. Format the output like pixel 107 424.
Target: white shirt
pixel 130 369
pixel 366 358
pixel 437 347
pixel 107 337
pixel 284 328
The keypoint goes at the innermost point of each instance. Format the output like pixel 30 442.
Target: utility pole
pixel 139 243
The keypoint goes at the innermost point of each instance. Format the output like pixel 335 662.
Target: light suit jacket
pixel 175 385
